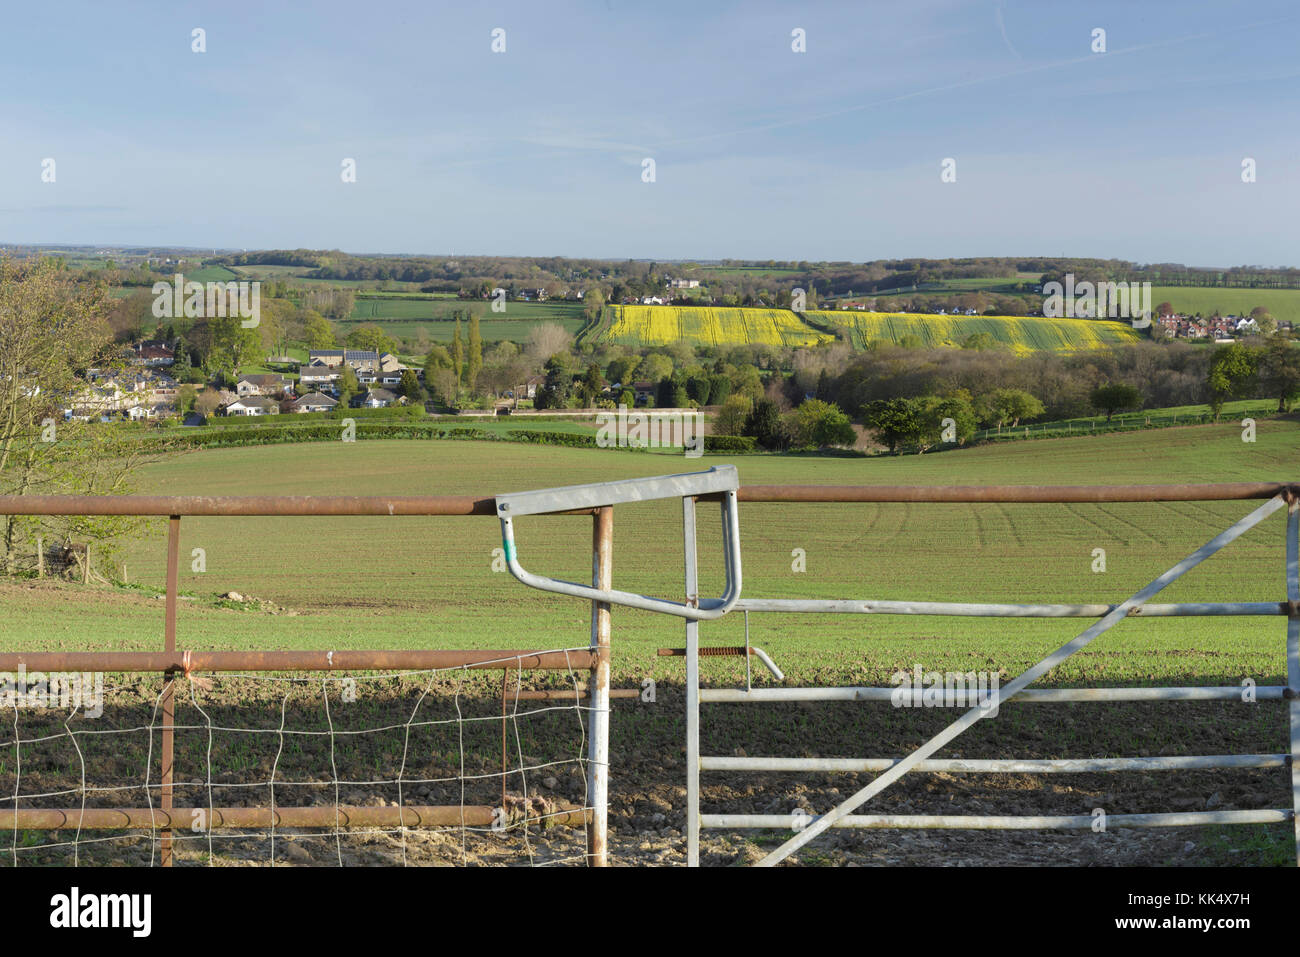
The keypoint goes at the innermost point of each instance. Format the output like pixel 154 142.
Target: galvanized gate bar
pixel 1293 651
pixel 1032 674
pixel 546 501
pixel 1007 494
pixel 602 571
pixel 1008 822
pixel 721 479
pixel 1029 695
pixel 167 756
pixel 692 583
pixel 839 606
pixel 1000 765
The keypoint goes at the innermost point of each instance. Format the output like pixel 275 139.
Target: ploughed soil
pixel 436 739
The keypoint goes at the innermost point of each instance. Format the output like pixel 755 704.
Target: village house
pixel 531 385
pixel 253 405
pixel 358 359
pixel 314 402
pixel 379 399
pixel 152 353
pixel 644 391
pixel 319 375
pixel 390 363
pixel 269 384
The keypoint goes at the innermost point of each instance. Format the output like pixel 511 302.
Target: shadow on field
pixel 246 741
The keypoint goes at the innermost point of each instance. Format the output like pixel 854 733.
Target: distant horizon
pixel 240 250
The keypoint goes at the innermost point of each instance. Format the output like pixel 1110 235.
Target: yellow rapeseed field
pixel 1019 333
pixel 660 325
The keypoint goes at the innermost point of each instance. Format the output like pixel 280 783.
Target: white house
pixel 379 399
pixel 253 405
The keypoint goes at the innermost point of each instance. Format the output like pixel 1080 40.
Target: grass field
pixel 383 580
pixel 1018 334
pixel 1168 417
pixel 211 274
pixel 1282 303
pixel 406 316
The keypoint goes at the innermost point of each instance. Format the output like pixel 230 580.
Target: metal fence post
pixel 692 687
pixel 169 685
pixel 1293 650
pixel 602 570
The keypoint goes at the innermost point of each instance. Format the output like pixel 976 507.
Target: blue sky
pixel 760 152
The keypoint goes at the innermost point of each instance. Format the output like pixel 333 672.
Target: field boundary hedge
pixel 322 432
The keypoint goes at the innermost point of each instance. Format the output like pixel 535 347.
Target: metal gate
pixel 922 758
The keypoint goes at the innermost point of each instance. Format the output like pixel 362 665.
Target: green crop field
pixel 368 582
pixel 1281 303
pixel 406 316
pixel 211 274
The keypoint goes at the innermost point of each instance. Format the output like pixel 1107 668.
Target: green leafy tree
pixel 731 418
pixel 475 361
pixel 1264 320
pixel 764 424
pixel 1231 376
pixel 52 329
pixel 1279 371
pixel 348 386
pixel 557 391
pixel 317 331
pixel 1115 397
pixel 894 421
pixel 592 381
pixel 372 338
pixel 655 367
pixel 457 353
pixel 410 386
pixel 438 358
pixel 948 419
pixel 822 424
pixel 699 388
pixel 671 393
pixel 1009 406
pixel 623 369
